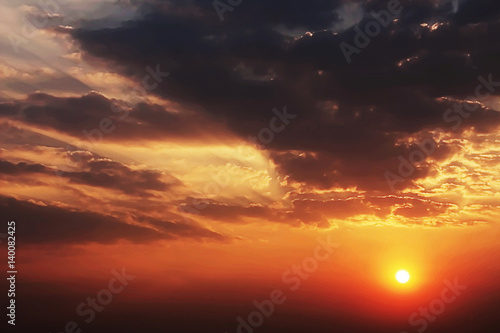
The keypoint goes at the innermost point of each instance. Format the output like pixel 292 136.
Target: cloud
pixel 353 121
pixel 320 211
pixel 45 224
pixel 475 11
pixel 10 168
pixel 94 117
pixel 100 172
pixel 390 91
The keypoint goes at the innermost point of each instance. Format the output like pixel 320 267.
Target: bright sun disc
pixel 402 276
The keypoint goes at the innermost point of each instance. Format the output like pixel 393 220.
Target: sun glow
pixel 402 276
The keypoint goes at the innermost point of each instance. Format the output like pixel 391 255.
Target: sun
pixel 402 276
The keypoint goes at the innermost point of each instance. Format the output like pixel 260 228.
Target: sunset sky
pixel 221 152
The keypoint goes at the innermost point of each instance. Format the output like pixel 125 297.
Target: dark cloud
pixel 475 11
pixel 11 168
pixel 349 116
pixel 95 118
pixel 114 175
pixel 51 224
pixel 313 14
pixel 99 173
pixel 319 211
